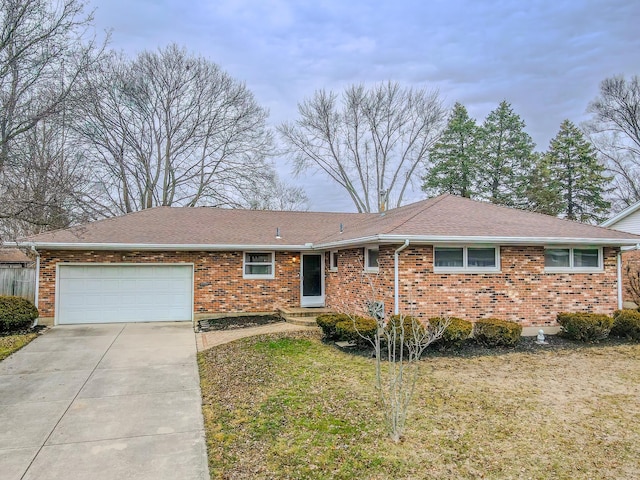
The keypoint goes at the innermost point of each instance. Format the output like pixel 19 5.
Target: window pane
pixel 257 269
pixel 481 257
pixel 372 260
pixel 334 259
pixel 258 258
pixel 448 257
pixel 585 257
pixel 556 257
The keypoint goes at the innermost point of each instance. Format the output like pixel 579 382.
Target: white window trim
pixel 465 256
pixel 251 276
pixel 333 255
pixel 367 268
pixel 571 268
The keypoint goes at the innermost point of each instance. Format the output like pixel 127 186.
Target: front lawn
pixel 11 343
pixel 289 406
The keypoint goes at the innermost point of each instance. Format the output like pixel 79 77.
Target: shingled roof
pixel 13 256
pixel 440 219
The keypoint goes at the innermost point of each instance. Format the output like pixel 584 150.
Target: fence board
pixel 20 282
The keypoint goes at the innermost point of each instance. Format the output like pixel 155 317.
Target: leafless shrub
pixel 398 345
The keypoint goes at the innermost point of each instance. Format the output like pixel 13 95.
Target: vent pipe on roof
pixel 278 233
pixel 384 199
pixel 341 228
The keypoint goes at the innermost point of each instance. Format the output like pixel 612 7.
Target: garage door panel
pixel 124 293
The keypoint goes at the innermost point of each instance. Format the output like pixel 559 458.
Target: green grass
pixel 293 407
pixel 12 343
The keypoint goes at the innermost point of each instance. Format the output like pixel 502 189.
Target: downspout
pixel 37 285
pixel 396 295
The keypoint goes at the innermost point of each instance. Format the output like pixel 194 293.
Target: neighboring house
pixel 14 258
pixel 443 255
pixel 628 220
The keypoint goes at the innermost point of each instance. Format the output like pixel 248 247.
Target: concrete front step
pixel 304 312
pixel 304 321
pixel 302 316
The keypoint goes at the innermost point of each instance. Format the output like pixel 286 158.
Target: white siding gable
pixel 630 223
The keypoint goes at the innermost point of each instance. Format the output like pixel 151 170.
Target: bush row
pixel 16 313
pixel 490 332
pixel 593 327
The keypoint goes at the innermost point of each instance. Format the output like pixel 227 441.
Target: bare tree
pixel 44 47
pixel 43 50
pixel 169 128
pixel 49 185
pixel 398 345
pixel 275 194
pixel 614 129
pixel 372 142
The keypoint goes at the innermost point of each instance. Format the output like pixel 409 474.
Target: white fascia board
pixel 463 240
pixel 158 247
pixel 623 214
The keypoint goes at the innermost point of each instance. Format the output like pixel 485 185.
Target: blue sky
pixel 546 58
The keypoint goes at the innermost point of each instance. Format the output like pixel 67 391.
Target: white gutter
pixel 156 246
pixel 414 239
pixel 396 287
pixel 462 240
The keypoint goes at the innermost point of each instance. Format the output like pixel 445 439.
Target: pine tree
pixel 454 157
pixel 576 175
pixel 506 152
pixel 539 196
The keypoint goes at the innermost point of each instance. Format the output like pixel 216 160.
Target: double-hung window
pixel 577 259
pixel 466 259
pixel 258 265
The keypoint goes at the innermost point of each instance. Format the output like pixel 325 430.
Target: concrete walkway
pixel 119 401
pixel 207 340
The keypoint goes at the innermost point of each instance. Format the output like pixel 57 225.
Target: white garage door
pixel 124 293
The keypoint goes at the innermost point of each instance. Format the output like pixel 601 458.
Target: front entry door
pixel 312 280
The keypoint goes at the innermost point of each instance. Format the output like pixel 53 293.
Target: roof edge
pixel 155 246
pixel 435 239
pixel 621 215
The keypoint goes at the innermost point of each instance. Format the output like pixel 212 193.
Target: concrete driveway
pixel 118 401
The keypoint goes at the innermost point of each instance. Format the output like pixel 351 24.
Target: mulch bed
pixel 233 323
pixel 525 345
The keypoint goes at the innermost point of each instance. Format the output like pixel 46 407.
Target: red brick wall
pixel 521 292
pixel 218 282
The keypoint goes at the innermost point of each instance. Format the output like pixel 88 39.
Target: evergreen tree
pixel 538 195
pixel 454 158
pixel 506 152
pixel 576 176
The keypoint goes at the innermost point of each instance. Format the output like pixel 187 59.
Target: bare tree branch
pixel 373 142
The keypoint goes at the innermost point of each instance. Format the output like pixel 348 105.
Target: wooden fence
pixel 20 282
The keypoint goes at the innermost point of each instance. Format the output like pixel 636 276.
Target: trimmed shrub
pixel 408 324
pixel 585 327
pixel 626 324
pixel 353 329
pixel 493 332
pixel 16 313
pixel 454 334
pixel 327 322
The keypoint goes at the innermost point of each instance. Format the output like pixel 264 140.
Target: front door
pixel 312 280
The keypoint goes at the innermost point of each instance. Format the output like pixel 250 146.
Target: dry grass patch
pixel 12 343
pixel 289 406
